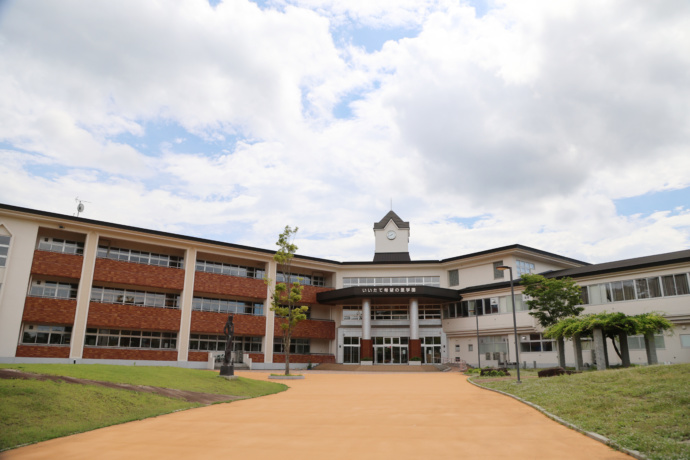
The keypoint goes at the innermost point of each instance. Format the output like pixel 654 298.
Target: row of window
pixel 139 257
pixel 53 290
pixel 207 342
pixel 305 280
pixel 227 306
pixel 62 246
pixel 297 346
pixel 130 339
pixel 487 306
pixel 638 289
pixel 230 269
pixel 132 297
pixel 393 281
pixel 354 312
pixel 4 249
pixel 52 335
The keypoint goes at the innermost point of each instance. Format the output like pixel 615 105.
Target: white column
pixel 366 319
pixel 267 346
pixel 414 319
pixel 186 300
pixel 84 295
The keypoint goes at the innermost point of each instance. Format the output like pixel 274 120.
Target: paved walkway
pixel 341 416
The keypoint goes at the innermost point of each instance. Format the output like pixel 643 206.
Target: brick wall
pixel 127 353
pixel 116 271
pixel 49 311
pixel 309 293
pixel 314 359
pixel 132 317
pixel 308 329
pixel 214 283
pixel 38 351
pixel 415 348
pixel 56 264
pixel 366 349
pixel 200 356
pixel 206 322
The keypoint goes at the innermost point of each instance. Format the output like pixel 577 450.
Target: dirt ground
pixel 341 415
pixel 202 398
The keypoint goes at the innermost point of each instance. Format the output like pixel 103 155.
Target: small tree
pixel 284 300
pixel 552 299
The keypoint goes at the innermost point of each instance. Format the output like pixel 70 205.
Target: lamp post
pixel 512 297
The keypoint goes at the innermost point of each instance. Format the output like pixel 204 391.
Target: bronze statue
pixel 227 368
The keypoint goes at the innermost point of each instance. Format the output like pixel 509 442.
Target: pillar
pixel 84 296
pixel 415 342
pixel 650 346
pixel 267 345
pixel 600 348
pixel 577 346
pixel 625 351
pixel 186 300
pixel 366 347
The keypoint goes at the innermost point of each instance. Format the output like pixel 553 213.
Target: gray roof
pixel 391 215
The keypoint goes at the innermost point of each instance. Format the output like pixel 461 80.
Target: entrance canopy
pixel 389 294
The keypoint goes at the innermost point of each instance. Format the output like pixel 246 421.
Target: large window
pixel 524 268
pixel 390 312
pixel 243 307
pixel 116 338
pixel 48 335
pixel 4 249
pixel 53 290
pixel 305 280
pixel 297 346
pixel 429 312
pixel 352 312
pixel 498 274
pixel 393 281
pixel 61 246
pixel 534 343
pixel 636 342
pixel 131 297
pixel 637 289
pixel 685 340
pixel 139 257
pixel 488 306
pixel 206 342
pixel 229 269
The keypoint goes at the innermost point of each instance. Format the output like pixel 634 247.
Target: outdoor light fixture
pixel 512 297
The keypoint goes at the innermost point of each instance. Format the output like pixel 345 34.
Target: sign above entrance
pixel 388 290
pixel 363 292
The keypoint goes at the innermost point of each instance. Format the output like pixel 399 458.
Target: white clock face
pixel 391 235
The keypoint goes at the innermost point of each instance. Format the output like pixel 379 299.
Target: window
pixel 206 342
pixel 498 274
pixel 535 343
pixel 390 313
pixel 229 269
pixel 242 307
pixel 429 312
pixel 61 246
pixel 524 268
pixel 352 312
pixel 636 342
pixel 305 280
pixel 648 288
pixel 139 257
pixel 685 340
pixel 131 297
pixel 116 338
pixel 297 346
pixel 4 249
pixel 53 290
pixel 470 347
pixel 493 344
pixel 457 348
pixel 641 288
pixel 675 285
pixel 47 335
pixel 453 278
pixel 393 281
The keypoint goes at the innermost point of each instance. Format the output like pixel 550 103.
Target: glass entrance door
pixel 390 350
pixel 351 347
pixel 431 350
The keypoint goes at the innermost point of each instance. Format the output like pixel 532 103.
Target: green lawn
pixel 642 408
pixel 32 410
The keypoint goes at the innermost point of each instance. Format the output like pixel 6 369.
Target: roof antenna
pixel 391 204
pixel 80 206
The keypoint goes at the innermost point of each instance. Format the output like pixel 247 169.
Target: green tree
pixel 552 299
pixel 285 296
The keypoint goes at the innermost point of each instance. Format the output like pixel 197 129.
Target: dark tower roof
pixel 391 215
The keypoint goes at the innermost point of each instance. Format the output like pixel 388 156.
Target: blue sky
pixel 557 125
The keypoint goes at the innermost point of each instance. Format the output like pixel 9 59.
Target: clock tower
pixel 392 237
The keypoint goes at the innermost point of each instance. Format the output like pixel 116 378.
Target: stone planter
pixel 415 363
pixel 367 363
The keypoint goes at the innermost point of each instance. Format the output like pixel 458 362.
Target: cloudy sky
pixel 563 125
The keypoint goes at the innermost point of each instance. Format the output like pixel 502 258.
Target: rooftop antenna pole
pixel 391 204
pixel 80 205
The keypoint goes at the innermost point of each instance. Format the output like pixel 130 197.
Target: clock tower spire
pixel 392 236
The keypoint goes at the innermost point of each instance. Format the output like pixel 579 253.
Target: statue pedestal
pixel 227 371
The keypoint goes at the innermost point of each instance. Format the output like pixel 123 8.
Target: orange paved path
pixel 341 416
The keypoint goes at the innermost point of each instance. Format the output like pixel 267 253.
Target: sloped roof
pixel 392 257
pixel 391 215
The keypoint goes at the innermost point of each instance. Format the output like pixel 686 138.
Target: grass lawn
pixel 32 411
pixel 198 380
pixel 642 408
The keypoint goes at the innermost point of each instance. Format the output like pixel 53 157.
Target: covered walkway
pixel 341 416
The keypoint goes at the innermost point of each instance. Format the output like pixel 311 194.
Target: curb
pixel 597 437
